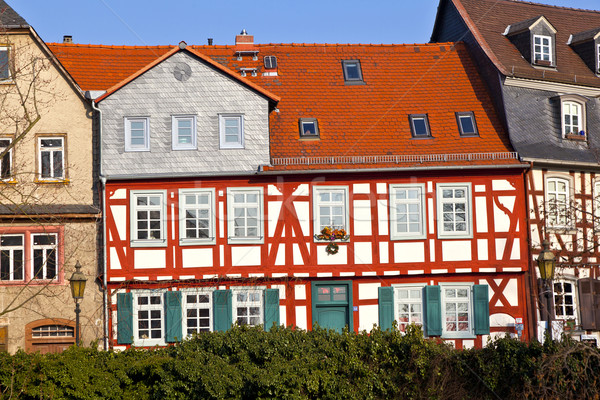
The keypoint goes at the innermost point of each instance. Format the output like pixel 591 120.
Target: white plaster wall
pixel 409 252
pixel 193 258
pixel 456 250
pixel 367 317
pixel 149 258
pixel 245 255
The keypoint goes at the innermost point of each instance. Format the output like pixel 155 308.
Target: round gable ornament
pixel 182 72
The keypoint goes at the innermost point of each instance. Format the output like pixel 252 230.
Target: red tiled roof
pixel 488 19
pixel 354 120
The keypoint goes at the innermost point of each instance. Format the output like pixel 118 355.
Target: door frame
pixel 314 303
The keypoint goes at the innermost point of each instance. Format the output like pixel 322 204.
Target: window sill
pixel 33 282
pixel 192 242
pixel 453 336
pixel 571 136
pixel 450 237
pixel 566 230
pixel 232 240
pixel 412 237
pixel 52 181
pixel 309 138
pixel 355 83
pixel 8 181
pixel 148 243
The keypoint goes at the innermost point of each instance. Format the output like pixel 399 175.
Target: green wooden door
pixel 332 305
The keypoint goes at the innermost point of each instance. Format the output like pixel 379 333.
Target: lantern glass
pixel 77 282
pixel 546 262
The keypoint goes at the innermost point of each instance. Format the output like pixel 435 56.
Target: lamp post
pixel 546 263
pixel 77 282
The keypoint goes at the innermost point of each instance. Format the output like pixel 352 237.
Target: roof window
pixel 419 125
pixel 352 71
pixel 466 123
pixel 309 127
pixel 270 62
pixel 535 38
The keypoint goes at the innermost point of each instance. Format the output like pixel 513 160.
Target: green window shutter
pixel 271 308
pixel 481 310
pixel 386 307
pixel 222 309
pixel 173 317
pixel 124 318
pixel 433 310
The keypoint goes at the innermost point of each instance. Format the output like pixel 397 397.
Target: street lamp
pixel 77 282
pixel 546 263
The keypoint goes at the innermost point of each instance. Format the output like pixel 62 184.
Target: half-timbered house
pixel 304 184
pixel 542 66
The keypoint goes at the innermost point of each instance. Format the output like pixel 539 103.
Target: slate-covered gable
pixel 206 94
pixel 9 18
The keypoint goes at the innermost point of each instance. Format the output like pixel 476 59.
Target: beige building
pixel 49 209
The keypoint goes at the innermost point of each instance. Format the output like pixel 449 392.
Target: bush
pixel 248 363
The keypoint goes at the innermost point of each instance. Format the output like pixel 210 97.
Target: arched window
pixel 572 118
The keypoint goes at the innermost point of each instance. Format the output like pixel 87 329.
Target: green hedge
pixel 248 363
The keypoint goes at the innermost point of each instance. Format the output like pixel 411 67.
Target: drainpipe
pixel 103 193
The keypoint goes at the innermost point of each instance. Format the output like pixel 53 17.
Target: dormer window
pixel 587 46
pixel 573 117
pixel 352 71
pixel 542 49
pixel 535 38
pixel 598 59
pixel 309 128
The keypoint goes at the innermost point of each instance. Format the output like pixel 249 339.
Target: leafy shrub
pixel 248 363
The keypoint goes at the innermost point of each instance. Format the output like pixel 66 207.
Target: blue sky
pixel 152 22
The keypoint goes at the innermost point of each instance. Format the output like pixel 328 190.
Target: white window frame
pixel 420 301
pixel 232 238
pixel 183 207
pixel 597 71
pixel 8 79
pixel 175 119
pixel 565 106
pixel 468 210
pixel 127 123
pixel 239 144
pixel 260 303
pixel 11 251
pixel 596 205
pixel 51 151
pixel 137 341
pixel 185 306
pixel 8 155
pixel 317 190
pixel 135 241
pixel 553 211
pixel 541 52
pixel 574 290
pixel 420 201
pixel 446 334
pixel 46 248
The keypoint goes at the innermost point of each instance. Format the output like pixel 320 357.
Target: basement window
pixel 352 71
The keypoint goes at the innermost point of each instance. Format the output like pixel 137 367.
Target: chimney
pixel 244 39
pixel 210 41
pixel 67 39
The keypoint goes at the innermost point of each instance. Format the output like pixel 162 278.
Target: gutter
pixel 560 162
pixel 401 169
pixel 103 193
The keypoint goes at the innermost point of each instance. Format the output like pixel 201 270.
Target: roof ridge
pixel 91 45
pixel 552 6
pixel 169 46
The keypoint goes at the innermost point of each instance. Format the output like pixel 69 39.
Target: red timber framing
pixel 289 258
pixel 574 242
